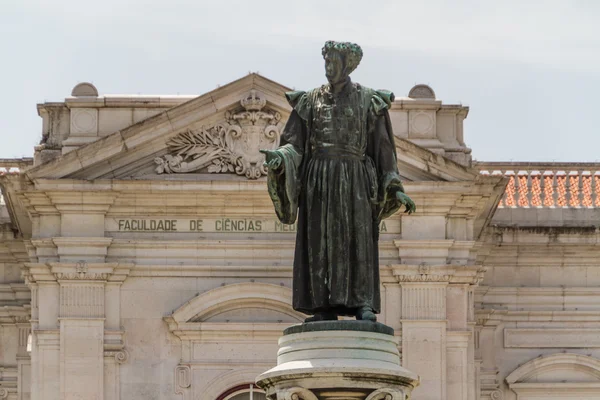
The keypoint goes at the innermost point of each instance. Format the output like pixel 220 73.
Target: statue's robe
pixel 340 179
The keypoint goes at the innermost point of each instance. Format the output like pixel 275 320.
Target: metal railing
pixel 545 185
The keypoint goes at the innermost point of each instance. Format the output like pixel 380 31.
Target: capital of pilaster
pixel 15 315
pixel 114 346
pixel 76 271
pixel 24 332
pixel 83 270
pixel 451 274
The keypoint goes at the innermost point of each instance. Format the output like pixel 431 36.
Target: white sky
pixel 529 70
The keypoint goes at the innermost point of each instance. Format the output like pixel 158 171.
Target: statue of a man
pixel 336 171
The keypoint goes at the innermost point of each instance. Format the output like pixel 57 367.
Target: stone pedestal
pixel 338 360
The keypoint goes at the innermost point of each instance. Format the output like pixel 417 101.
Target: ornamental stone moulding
pixel 121 356
pixel 421 91
pixel 231 146
pixel 423 273
pixel 387 394
pixel 496 395
pixel 295 393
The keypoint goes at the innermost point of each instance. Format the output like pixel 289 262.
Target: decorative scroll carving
pixel 183 380
pixel 183 376
pixel 496 395
pixel 295 393
pixel 231 146
pixel 121 356
pixel 387 394
pixel 3 393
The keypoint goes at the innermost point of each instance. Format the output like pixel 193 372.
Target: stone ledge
pixel 359 326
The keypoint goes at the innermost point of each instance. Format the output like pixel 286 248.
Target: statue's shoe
pixel 322 316
pixel 366 314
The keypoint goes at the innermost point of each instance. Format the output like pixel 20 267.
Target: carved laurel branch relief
pixel 228 147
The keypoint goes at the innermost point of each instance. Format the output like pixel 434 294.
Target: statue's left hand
pixel 406 201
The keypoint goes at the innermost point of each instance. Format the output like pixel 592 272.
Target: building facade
pixel 141 258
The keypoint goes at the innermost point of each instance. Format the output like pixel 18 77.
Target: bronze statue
pixel 336 171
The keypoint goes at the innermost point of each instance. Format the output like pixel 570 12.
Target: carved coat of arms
pixel 231 146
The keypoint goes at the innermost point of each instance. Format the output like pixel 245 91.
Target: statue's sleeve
pixel 284 186
pixel 382 149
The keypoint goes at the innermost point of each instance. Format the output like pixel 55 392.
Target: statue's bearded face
pixel 335 68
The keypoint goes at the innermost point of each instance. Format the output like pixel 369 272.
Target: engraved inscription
pixel 214 225
pixel 140 225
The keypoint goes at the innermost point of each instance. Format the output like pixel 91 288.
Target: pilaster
pixel 23 362
pixel 485 351
pixel 75 353
pixel 457 364
pixel 436 312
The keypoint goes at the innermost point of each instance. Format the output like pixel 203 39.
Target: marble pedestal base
pixel 339 360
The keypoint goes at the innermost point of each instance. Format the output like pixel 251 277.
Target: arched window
pixel 243 392
pixel 557 376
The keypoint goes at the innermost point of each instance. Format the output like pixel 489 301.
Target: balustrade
pixel 566 185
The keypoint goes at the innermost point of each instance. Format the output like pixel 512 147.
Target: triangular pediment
pixel 218 133
pixel 136 150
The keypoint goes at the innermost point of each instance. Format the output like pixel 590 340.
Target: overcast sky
pixel 529 70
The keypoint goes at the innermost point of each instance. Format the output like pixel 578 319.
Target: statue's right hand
pixel 273 159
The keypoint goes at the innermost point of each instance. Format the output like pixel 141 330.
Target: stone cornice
pixel 466 199
pixel 14 294
pixel 489 318
pixel 13 251
pixel 432 252
pixel 11 186
pixel 420 164
pixel 213 271
pixel 67 200
pixel 582 252
pixel 544 300
pixel 231 332
pixel 12 315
